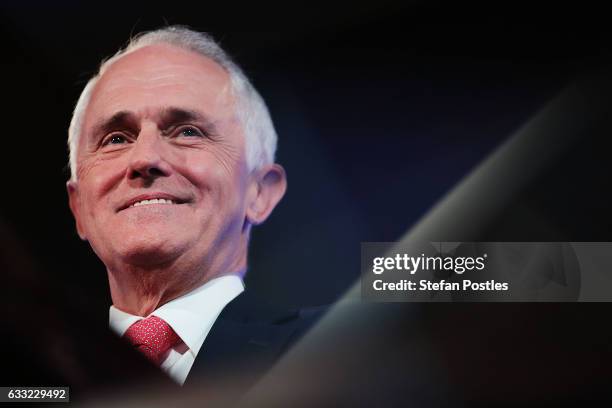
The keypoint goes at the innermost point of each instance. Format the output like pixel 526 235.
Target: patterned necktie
pixel 152 337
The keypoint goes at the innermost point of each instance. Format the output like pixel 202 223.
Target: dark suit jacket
pixel 246 340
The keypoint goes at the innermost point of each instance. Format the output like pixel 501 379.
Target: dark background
pixel 380 109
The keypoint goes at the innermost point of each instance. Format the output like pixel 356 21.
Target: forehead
pixel 159 76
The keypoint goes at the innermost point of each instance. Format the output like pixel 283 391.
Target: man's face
pixel 161 175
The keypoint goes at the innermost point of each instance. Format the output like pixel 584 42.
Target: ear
pixel 269 186
pixel 74 202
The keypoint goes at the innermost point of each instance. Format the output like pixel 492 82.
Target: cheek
pixel 102 172
pixel 95 182
pixel 219 179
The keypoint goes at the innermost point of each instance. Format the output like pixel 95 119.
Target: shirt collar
pixel 192 315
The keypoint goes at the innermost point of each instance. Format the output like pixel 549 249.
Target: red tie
pixel 152 337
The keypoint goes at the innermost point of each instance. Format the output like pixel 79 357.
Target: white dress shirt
pixel 191 316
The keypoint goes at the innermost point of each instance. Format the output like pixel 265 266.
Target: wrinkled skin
pixel 161 123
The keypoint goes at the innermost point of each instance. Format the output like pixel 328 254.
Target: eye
pixel 190 131
pixel 115 138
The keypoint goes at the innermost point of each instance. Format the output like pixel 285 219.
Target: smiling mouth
pixel 153 201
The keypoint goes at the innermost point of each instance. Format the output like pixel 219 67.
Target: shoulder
pixel 259 321
pixel 250 335
pixel 251 308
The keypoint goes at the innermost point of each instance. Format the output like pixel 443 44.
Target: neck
pixel 141 290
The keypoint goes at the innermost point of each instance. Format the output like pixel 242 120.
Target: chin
pixel 146 252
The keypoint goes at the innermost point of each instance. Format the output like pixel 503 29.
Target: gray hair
pixel 260 136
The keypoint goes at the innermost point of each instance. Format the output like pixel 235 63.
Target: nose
pixel 147 159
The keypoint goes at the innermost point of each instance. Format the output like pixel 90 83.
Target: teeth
pixel 152 201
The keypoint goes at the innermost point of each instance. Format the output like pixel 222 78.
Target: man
pixel 172 164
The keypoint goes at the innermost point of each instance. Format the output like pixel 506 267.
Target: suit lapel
pixel 246 338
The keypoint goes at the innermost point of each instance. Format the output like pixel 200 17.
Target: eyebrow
pixel 118 120
pixel 172 115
